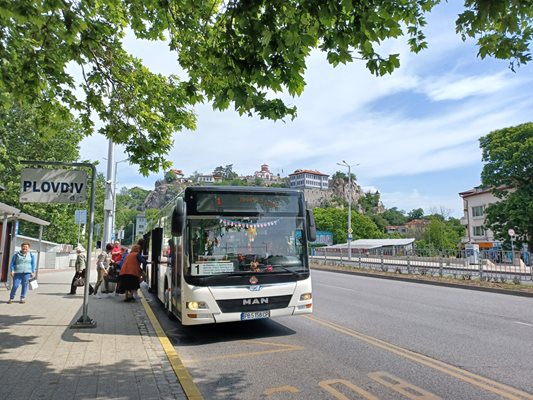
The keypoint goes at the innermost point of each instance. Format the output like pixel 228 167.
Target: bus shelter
pixel 8 219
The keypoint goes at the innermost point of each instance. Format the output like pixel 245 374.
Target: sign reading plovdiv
pixel 53 186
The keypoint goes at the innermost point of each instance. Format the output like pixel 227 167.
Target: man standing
pixel 22 269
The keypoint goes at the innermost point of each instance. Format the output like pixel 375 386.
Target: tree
pixel 170 176
pixel 394 216
pixel 415 214
pixel 509 172
pixel 231 52
pixel 339 175
pixel 370 202
pixel 441 235
pixel 335 220
pixel 26 133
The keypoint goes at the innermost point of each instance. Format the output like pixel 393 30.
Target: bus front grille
pixel 254 304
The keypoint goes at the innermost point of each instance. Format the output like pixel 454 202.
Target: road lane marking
pixel 184 378
pixel 282 389
pixel 405 388
pixel 489 385
pixel 279 347
pixel 327 386
pixel 523 323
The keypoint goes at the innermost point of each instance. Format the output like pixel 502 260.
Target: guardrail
pixel 443 266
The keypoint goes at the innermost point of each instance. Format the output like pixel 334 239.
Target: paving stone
pixel 43 358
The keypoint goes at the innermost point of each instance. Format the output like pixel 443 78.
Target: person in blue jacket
pixel 22 269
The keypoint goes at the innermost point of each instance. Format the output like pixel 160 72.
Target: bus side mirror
pixel 178 218
pixel 311 226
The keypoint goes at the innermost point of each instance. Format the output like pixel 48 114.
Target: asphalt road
pixel 369 339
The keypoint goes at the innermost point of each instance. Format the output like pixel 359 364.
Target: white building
pixel 140 224
pixel 264 174
pixel 308 179
pixel 475 201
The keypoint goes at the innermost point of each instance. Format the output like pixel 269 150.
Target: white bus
pixel 220 254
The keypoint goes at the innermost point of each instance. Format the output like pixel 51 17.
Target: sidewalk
pixel 41 357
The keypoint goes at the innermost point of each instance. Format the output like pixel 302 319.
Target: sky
pixel 414 134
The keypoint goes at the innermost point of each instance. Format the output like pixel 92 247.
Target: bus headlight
pixel 196 305
pixel 306 296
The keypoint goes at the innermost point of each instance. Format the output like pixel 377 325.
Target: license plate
pixel 255 315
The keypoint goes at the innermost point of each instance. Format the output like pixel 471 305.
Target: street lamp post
pixel 350 231
pixel 113 216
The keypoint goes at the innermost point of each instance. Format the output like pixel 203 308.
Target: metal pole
pixel 349 213
pixel 108 195
pixel 39 251
pixel 114 218
pixel 349 230
pixel 84 321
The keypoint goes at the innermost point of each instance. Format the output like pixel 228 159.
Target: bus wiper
pixel 286 269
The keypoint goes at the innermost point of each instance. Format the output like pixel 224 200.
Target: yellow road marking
pixel 403 387
pixel 185 379
pixel 327 386
pixel 489 385
pixel 284 347
pixel 282 389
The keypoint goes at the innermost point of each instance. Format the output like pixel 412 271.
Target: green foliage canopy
pixel 231 53
pixel 509 171
pixel 394 216
pixel 441 235
pixel 28 133
pixel 335 220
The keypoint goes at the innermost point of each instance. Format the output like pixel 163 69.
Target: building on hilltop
pixel 308 179
pixel 264 173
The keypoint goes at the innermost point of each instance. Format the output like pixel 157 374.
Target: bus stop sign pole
pixel 84 321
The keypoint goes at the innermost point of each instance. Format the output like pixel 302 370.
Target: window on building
pixel 479 231
pixel 477 211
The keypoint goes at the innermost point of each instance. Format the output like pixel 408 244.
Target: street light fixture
pixel 350 231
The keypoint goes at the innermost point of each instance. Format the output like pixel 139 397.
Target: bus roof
pixel 250 189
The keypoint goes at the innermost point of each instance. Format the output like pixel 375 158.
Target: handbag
pixel 33 284
pixel 79 282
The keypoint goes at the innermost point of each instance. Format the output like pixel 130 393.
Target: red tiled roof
pixel 307 171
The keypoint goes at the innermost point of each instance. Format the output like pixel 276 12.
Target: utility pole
pixel 113 216
pixel 350 231
pixel 108 202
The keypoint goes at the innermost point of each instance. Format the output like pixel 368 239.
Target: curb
pixel 427 282
pixel 182 374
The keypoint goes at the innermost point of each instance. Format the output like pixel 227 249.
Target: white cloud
pixel 448 99
pixel 452 87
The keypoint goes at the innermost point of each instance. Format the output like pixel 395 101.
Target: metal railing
pixel 500 266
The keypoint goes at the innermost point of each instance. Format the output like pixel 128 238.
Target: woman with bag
pixel 22 268
pixel 131 273
pixel 79 275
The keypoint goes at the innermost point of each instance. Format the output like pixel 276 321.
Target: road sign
pixel 43 185
pixel 511 232
pixel 350 231
pixel 80 217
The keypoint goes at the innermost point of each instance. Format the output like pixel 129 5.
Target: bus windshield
pixel 236 245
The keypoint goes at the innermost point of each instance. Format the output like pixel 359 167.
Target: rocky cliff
pixel 339 190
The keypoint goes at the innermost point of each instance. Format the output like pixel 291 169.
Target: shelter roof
pixel 14 213
pixel 376 243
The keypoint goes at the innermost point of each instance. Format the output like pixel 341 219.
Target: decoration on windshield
pixel 246 225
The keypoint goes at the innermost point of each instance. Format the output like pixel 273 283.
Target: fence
pixel 498 266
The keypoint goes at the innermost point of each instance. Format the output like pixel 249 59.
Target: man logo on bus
pixel 259 300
